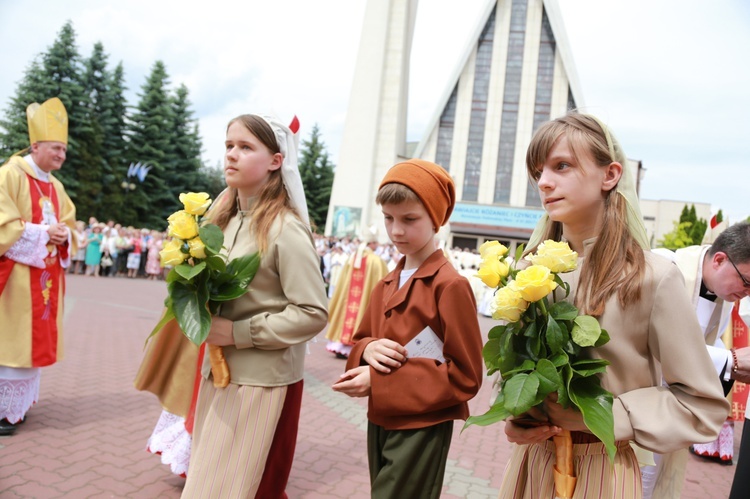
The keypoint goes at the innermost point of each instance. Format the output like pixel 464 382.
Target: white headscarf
pixel 625 188
pixel 287 142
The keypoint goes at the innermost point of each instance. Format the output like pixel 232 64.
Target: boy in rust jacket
pixel 418 349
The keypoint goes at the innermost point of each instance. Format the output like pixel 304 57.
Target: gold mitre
pixel 47 122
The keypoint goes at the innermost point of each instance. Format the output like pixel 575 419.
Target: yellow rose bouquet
pixel 538 350
pixel 201 277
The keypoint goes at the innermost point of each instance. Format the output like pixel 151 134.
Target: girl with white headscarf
pixel 245 433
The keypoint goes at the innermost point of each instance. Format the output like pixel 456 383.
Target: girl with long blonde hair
pixel 589 196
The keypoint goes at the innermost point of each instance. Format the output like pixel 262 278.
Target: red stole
pixel 45 284
pixel 353 301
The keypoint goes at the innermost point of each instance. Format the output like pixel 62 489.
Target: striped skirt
pixel 240 431
pixel 528 474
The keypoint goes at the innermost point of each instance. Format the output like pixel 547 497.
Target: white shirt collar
pixel 40 174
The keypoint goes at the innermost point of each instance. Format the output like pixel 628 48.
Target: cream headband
pixel 625 188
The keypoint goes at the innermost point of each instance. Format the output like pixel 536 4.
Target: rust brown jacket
pixel 423 392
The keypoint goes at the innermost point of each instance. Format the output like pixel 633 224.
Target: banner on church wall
pixel 346 221
pixel 503 216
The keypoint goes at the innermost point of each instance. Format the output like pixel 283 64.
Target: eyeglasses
pixel 745 281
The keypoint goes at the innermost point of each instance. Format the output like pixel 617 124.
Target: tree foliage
pixel 688 230
pixel 105 135
pixel 316 171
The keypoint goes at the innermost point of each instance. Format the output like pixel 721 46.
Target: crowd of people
pixel 111 250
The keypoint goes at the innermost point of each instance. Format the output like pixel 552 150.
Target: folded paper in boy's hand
pixel 427 345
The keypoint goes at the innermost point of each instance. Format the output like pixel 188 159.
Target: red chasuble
pixel 46 283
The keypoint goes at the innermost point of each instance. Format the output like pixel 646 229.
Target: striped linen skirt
pixel 239 430
pixel 528 474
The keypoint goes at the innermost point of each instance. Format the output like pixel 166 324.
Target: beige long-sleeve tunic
pixel 285 306
pixel 658 336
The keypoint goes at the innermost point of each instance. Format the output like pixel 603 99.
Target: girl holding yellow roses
pixel 590 201
pixel 245 434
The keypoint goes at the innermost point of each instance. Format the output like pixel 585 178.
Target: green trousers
pixel 408 463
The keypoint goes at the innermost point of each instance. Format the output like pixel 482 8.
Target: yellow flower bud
pixel 535 282
pixel 197 249
pixel 508 304
pixel 491 270
pixel 172 254
pixel 556 256
pixel 492 249
pixel 196 203
pixel 182 225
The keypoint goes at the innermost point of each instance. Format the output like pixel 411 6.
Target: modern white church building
pixel 517 73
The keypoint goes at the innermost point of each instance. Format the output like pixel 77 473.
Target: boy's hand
pixel 354 382
pixel 383 354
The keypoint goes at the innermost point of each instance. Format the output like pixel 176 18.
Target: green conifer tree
pixel 150 134
pixel 62 68
pixel 113 112
pixel 15 135
pixel 316 171
pixel 183 165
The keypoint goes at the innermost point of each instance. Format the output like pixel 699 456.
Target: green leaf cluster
pixel 198 286
pixel 543 353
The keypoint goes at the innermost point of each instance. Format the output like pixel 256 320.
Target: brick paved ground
pixel 86 436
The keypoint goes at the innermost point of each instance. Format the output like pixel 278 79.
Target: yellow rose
pixel 508 304
pixel 182 225
pixel 492 249
pixel 535 282
pixel 197 249
pixel 172 254
pixel 491 271
pixel 196 203
pixel 556 256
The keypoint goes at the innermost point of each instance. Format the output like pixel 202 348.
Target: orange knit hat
pixel 430 182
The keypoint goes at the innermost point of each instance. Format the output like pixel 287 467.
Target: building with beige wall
pixel 660 216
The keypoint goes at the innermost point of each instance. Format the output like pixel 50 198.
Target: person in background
pixel 110 249
pixel 145 240
pixel 134 257
pixel 80 256
pixel 37 219
pixel 153 263
pixel 713 286
pixel 358 277
pixel 93 250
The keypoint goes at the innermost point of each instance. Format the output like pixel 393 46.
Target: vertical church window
pixel 445 132
pixel 511 96
pixel 543 100
pixel 571 101
pixel 478 117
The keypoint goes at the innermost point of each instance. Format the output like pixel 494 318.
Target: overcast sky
pixel 670 76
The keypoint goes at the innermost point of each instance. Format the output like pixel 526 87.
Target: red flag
pixel 714 221
pixel 294 125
